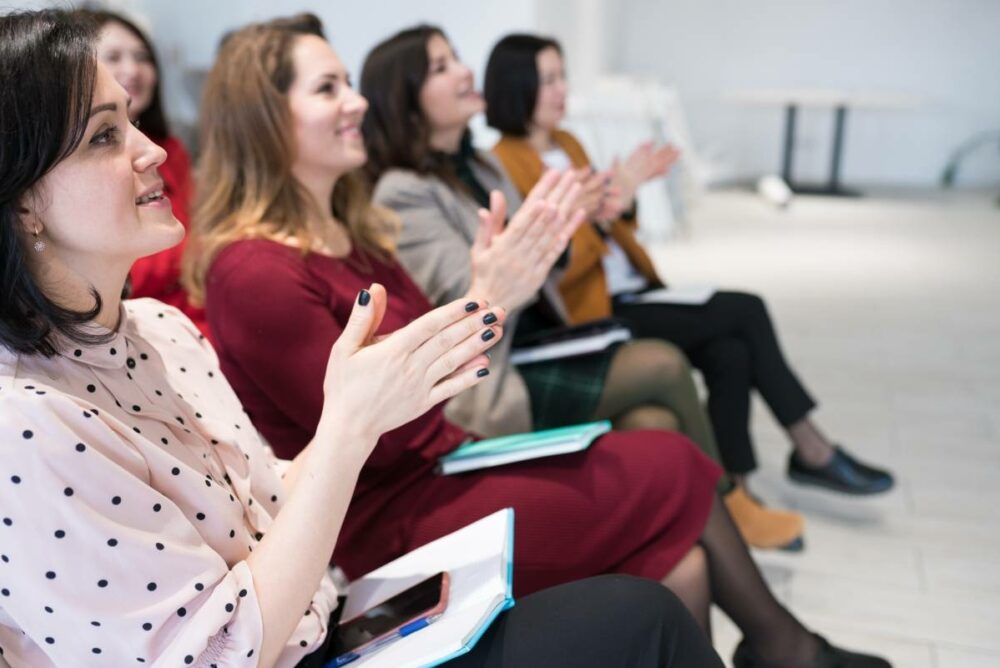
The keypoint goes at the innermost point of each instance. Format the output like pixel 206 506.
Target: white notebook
pixel 479 560
pixel 684 295
pixel 580 344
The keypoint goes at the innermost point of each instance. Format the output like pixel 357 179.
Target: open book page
pixel 684 295
pixel 478 559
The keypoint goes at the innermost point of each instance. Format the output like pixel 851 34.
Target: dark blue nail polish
pixel 488 334
pixel 489 318
pixel 483 372
pixel 364 297
pixel 471 306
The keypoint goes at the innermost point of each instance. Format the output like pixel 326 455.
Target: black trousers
pixel 732 341
pixel 607 621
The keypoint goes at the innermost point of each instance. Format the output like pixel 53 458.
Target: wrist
pixel 344 433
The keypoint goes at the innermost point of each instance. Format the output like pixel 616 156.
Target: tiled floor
pixel 889 307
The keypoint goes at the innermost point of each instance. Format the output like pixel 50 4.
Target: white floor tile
pixel 893 321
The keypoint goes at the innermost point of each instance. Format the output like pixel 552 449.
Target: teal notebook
pixel 521 447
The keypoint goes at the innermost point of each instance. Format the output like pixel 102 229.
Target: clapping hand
pixel 646 162
pixel 511 262
pixel 374 384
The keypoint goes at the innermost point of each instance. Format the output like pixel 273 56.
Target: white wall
pixel 186 32
pixel 944 51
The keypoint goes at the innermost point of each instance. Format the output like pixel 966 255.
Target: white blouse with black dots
pixel 132 489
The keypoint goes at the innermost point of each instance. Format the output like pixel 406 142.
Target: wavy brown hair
pixel 396 132
pixel 246 189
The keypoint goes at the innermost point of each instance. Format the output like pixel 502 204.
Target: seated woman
pixel 129 56
pixel 731 338
pixel 280 253
pixel 422 163
pixel 420 153
pixel 143 520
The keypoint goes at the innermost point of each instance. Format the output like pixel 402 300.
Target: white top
pixel 132 490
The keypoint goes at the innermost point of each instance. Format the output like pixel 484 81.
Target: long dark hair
pixel 396 133
pixel 510 84
pixel 152 120
pixel 48 69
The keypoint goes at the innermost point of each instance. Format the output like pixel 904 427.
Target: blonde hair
pixel 246 189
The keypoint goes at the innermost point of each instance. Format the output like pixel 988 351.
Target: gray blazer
pixel 438 229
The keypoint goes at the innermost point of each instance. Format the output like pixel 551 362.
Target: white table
pixel 840 102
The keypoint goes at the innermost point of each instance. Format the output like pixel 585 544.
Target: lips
pixel 154 196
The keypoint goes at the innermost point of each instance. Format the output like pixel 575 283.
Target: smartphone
pixel 404 613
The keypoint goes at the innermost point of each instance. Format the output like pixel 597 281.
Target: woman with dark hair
pixel 446 193
pixel 143 520
pixel 129 55
pixel 441 99
pixel 731 338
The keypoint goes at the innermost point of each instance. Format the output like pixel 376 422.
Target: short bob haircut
pixel 49 69
pixel 511 82
pixel 152 120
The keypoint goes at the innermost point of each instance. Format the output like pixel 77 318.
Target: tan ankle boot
pixel 762 527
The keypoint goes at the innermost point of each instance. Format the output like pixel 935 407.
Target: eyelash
pixel 106 137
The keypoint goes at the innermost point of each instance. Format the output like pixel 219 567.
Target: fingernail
pixel 488 334
pixel 471 306
pixel 489 318
pixel 364 297
pixel 483 372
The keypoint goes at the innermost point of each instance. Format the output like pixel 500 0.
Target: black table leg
pixel 832 186
pixel 786 168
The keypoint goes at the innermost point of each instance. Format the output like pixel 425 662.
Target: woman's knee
pixel 660 360
pixel 648 417
pixel 638 598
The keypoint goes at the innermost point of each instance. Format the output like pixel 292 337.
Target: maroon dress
pixel 634 503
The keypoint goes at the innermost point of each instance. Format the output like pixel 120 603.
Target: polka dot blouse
pixel 132 490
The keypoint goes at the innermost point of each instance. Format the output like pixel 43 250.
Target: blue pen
pixel 405 630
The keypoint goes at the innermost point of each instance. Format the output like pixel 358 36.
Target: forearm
pixel 290 561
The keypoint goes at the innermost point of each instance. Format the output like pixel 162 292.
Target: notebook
pixel 521 447
pixel 563 342
pixel 479 560
pixel 684 295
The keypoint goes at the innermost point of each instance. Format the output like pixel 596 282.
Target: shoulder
pixel 510 147
pixel 45 422
pixel 403 187
pixel 255 262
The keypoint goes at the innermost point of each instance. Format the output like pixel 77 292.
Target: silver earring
pixel 39 244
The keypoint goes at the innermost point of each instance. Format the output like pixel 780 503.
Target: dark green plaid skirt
pixel 566 391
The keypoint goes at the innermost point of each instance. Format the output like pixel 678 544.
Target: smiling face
pixel 326 112
pixel 103 205
pixel 130 62
pixel 448 98
pixel 550 105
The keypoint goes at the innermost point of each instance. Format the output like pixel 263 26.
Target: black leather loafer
pixel 843 474
pixel 827 657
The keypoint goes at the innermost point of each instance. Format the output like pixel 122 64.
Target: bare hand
pixel 375 384
pixel 646 162
pixel 510 264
